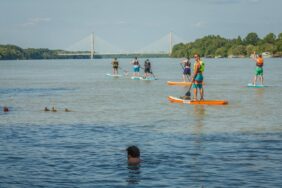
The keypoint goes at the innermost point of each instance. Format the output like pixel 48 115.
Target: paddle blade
pixel 188 93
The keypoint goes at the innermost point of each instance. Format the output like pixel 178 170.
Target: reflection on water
pixel 259 93
pixel 134 174
pixel 199 113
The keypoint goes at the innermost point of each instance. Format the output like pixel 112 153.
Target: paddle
pixel 188 93
pixel 153 75
pixel 182 66
pixel 125 71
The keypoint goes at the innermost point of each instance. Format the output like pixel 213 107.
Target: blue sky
pixel 132 24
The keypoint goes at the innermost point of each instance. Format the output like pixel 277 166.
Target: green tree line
pixel 217 46
pixel 13 52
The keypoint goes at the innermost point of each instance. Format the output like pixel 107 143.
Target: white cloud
pixel 35 21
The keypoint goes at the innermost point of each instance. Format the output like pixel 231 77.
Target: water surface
pixel 238 145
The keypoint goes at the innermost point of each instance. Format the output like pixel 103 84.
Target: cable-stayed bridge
pixel 92 45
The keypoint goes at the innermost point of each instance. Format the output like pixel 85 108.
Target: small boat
pixel 201 102
pixel 266 54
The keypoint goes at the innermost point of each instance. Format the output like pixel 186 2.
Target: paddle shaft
pixel 123 69
pixel 188 93
pixel 153 74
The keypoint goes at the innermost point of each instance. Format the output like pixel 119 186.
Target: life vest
pixel 259 61
pixel 115 63
pixel 201 68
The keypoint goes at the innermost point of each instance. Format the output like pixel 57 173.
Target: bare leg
pixel 183 77
pixel 261 77
pixel 195 94
pixel 255 80
pixel 202 93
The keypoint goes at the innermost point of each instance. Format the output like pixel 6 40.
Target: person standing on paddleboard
pixel 259 68
pixel 115 66
pixel 147 68
pixel 186 69
pixel 136 67
pixel 198 78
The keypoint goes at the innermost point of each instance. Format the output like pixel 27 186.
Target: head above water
pixel 133 155
pixel 5 109
pixel 133 151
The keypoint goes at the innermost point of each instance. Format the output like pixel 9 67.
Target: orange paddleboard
pixel 203 102
pixel 171 83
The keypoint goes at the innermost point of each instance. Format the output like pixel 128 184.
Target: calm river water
pixel 237 145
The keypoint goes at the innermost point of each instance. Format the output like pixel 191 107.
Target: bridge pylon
pixel 92 46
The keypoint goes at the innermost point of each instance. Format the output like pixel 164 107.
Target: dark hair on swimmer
pixel 5 109
pixel 133 151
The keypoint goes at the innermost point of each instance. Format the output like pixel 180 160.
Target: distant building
pixel 266 54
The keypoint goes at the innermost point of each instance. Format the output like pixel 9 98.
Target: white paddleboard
pixel 255 86
pixel 148 78
pixel 136 78
pixel 114 75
